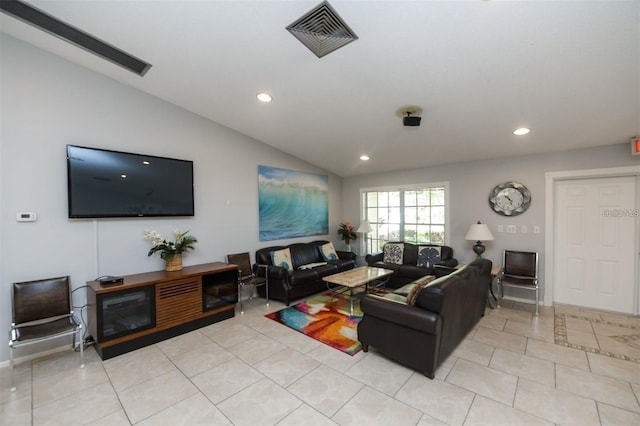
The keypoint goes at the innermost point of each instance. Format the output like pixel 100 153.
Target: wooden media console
pixel 153 306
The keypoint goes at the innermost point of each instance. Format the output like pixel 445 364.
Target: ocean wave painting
pixel 292 204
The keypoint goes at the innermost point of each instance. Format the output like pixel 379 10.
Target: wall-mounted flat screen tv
pixel 103 183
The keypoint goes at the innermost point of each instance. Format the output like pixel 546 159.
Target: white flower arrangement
pixel 168 249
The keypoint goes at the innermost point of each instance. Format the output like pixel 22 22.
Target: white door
pixel 596 226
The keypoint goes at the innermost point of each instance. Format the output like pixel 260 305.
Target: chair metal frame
pixel 246 276
pixel 523 275
pixel 35 316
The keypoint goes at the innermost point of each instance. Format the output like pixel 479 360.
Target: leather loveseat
pixel 302 276
pixel 421 336
pixel 412 261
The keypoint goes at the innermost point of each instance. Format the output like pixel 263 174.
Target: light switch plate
pixel 511 229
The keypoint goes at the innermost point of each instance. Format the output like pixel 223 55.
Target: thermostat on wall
pixel 26 217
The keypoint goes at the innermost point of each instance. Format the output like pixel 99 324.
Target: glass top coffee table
pixel 356 278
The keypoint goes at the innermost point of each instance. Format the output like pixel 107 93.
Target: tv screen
pixel 103 183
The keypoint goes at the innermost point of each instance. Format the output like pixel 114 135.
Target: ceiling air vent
pixel 322 30
pixel 54 26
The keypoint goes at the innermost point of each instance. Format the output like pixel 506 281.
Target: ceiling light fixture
pixel 264 97
pixel 364 157
pixel 521 131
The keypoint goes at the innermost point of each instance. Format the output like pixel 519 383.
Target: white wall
pixel 471 184
pixel 48 103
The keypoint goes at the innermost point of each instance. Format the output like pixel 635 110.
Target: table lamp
pixel 364 229
pixel 479 232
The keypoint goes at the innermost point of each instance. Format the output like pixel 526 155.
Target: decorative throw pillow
pixel 419 285
pixel 282 258
pixel 393 253
pixel 428 256
pixel 328 252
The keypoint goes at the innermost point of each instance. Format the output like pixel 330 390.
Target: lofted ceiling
pixel 569 70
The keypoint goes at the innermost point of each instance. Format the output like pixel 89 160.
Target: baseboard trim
pixel 521 300
pixel 30 357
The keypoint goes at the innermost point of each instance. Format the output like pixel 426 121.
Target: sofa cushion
pixel 304 253
pixel 282 258
pixel 414 272
pixel 392 266
pixel 301 277
pixel 428 256
pixel 327 269
pixel 328 252
pixel 393 253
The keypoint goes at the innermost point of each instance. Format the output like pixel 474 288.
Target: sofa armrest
pixel 372 258
pixel 452 263
pixel 401 314
pixel 277 272
pixel 347 255
pixel 256 267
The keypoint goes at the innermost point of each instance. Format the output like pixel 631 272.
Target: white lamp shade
pixel 365 227
pixel 479 232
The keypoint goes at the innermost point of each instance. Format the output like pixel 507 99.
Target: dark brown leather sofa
pixel 424 335
pixel 411 269
pixel 287 285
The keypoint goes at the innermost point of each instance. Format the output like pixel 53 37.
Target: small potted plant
pixel 347 232
pixel 170 251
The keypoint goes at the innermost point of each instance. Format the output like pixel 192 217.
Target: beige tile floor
pixel 252 371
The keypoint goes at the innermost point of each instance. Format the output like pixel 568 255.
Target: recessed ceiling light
pixel 521 131
pixel 264 97
pixel 364 157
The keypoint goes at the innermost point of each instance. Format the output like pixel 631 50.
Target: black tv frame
pixel 128 159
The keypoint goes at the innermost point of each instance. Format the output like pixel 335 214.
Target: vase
pixel 174 263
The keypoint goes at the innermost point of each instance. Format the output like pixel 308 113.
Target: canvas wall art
pixel 292 203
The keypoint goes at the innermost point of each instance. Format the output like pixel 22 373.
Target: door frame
pixel 549 236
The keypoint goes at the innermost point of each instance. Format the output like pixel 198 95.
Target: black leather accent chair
pixel 246 275
pixel 42 310
pixel 519 270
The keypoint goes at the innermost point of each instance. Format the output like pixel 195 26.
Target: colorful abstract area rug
pixel 325 318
